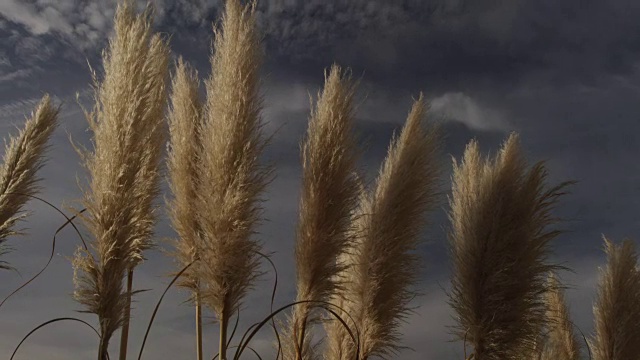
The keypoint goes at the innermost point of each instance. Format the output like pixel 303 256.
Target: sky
pixel 564 75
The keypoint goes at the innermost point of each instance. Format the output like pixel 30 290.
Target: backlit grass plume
pixel 231 179
pixel 129 131
pixel 617 306
pixel 328 198
pixel 562 342
pixel 500 244
pixel 382 265
pixel 23 157
pixel 184 150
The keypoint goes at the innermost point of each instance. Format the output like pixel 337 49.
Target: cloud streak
pixel 462 108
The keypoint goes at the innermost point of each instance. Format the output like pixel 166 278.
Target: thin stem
pixel 222 349
pixel 198 326
pixel 155 311
pixel 300 339
pixel 103 347
pixel 124 338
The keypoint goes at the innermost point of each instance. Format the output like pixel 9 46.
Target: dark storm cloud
pixel 452 42
pixel 448 42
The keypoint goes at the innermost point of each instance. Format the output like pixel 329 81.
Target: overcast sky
pixel 564 74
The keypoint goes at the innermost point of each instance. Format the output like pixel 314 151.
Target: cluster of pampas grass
pixel 380 265
pixel 355 248
pixel 23 157
pixel 499 248
pixel 617 306
pixel 129 132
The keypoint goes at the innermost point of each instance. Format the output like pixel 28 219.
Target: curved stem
pixel 325 305
pixel 53 251
pixel 47 323
pixel 155 311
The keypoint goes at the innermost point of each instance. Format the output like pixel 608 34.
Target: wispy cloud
pixel 459 107
pixel 15 75
pixel 18 109
pixel 77 21
pixel 24 13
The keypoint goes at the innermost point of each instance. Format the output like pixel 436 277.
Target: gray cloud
pixel 15 75
pixel 460 107
pixel 25 14
pixel 453 46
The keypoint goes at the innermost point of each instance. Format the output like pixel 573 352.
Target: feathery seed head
pixel 328 198
pixel 562 343
pixel 500 244
pixel 388 224
pixel 329 189
pixel 128 126
pixel 22 158
pixel 184 150
pixel 617 306
pixel 231 177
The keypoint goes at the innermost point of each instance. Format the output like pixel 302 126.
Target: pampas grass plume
pixel 329 196
pixel 129 131
pixel 382 265
pixel 562 342
pixel 183 154
pixel 617 306
pixel 231 177
pixel 184 150
pixel 23 157
pixel 500 244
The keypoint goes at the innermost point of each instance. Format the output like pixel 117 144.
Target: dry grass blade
pixel 128 126
pixel 23 157
pixel 617 307
pixel 562 342
pixel 382 265
pixel 329 196
pixel 231 177
pixel 499 244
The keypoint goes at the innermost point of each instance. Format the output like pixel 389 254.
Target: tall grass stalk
pixel 128 126
pixel 23 157
pixel 184 151
pixel 231 179
pixel 500 246
pixel 382 266
pixel 329 196
pixel 617 307
pixel 124 335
